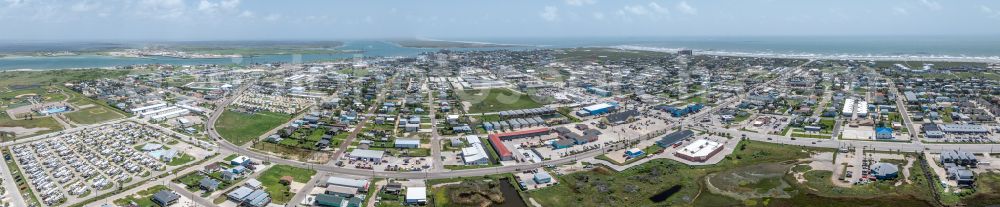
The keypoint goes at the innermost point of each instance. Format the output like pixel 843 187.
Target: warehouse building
pixel 699 150
pixel 675 137
pixel 407 143
pixel 475 154
pixel 884 171
pixel 367 155
pixel 597 109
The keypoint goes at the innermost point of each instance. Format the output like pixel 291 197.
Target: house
pixel 165 198
pixel 229 175
pixel 213 167
pixel 208 184
pixel 416 195
pixel 393 188
pixel 240 160
pixel 253 183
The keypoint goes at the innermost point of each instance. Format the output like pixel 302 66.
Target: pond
pixel 510 195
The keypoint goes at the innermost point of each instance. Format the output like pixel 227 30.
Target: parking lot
pixel 74 167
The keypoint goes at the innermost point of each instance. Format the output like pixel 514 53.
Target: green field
pixel 493 100
pixel 183 159
pixel 44 122
pixel 93 115
pixel 240 128
pixel 595 54
pixel 46 77
pixel 142 198
pixel 637 185
pixel 279 192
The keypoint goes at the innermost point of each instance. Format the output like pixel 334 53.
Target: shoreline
pixel 944 58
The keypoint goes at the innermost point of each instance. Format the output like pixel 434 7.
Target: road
pixel 438 163
pixel 360 124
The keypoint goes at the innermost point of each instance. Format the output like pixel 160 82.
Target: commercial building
pixel 597 109
pixel 884 171
pixel 883 133
pixel 416 195
pixel 522 134
pixel 368 155
pixel 963 129
pixel 475 154
pixel 407 143
pixel 675 137
pixel 634 152
pixel 542 177
pixel 360 184
pixel 699 150
pixel 326 200
pixel 502 150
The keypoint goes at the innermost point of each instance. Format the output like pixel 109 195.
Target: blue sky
pixel 332 20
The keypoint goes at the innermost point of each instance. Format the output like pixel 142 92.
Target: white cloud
pixel 899 11
pixel 84 6
pixel 638 10
pixel 657 8
pixel 550 13
pixel 246 14
pixel 229 4
pixel 580 2
pixel 161 9
pixel 686 8
pixel 990 12
pixel 207 6
pixel 598 15
pixel 932 5
pixel 272 17
pixel 213 7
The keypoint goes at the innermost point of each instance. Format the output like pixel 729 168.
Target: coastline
pixel 994 59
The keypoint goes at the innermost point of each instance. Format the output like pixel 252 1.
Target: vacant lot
pixel 280 193
pixel 497 99
pixel 240 128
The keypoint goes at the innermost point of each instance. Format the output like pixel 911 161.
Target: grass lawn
pixel 183 159
pixel 497 99
pixel 142 198
pixel 48 123
pixel 635 186
pixel 279 192
pixel 45 77
pixel 814 136
pixel 240 128
pixel 93 115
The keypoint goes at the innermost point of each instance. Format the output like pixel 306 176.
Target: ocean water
pixel 958 48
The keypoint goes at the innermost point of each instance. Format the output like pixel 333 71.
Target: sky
pixel 455 20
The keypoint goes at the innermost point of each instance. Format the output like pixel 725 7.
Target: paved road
pixel 887 146
pixel 360 124
pixel 16 199
pixel 438 163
